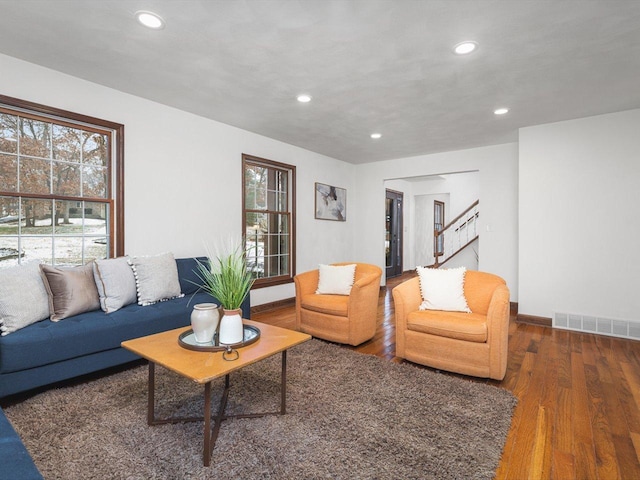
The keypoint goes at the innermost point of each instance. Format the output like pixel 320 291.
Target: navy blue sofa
pixel 47 352
pixel 16 461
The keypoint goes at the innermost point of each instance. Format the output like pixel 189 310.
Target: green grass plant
pixel 225 276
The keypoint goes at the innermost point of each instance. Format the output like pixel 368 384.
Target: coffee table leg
pixel 210 436
pixel 151 399
pixel 207 425
pixel 283 386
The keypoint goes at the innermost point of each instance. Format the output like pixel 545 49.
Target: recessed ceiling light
pixel 501 111
pixel 304 98
pixel 465 47
pixel 150 19
pixel 376 135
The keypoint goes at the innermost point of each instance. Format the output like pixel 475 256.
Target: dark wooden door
pixel 393 233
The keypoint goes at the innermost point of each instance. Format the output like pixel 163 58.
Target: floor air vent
pixel 603 326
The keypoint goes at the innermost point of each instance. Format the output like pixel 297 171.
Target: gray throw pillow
pixel 116 283
pixel 71 290
pixel 156 278
pixel 23 297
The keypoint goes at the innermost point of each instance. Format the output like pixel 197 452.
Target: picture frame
pixel 331 202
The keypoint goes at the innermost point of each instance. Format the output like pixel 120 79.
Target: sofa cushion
pixel 187 268
pixel 116 283
pixel 91 332
pixel 71 290
pixel 329 304
pixel 156 278
pixel 23 297
pixel 471 327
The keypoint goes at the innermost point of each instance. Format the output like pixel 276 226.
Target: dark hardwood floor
pixel 578 414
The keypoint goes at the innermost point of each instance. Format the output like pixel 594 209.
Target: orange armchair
pixel 349 319
pixel 468 343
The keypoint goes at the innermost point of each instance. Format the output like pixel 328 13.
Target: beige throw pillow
pixel 443 289
pixel 71 290
pixel 336 279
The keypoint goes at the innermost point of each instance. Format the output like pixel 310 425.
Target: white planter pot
pixel 204 321
pixel 231 328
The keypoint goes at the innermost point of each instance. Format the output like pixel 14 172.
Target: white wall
pixel 183 172
pixel 579 223
pixel 498 194
pixel 464 189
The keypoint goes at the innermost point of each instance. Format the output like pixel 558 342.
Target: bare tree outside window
pixel 61 201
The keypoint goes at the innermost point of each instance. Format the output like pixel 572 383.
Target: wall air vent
pixel 591 324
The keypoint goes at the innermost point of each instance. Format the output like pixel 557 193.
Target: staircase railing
pixel 456 235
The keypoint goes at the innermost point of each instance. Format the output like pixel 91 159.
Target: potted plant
pixel 225 276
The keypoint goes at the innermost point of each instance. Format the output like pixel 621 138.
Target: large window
pixel 269 219
pixel 61 198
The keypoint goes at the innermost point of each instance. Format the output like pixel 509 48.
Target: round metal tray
pixel 187 340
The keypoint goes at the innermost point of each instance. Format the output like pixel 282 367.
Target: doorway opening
pixel 438 225
pixel 393 233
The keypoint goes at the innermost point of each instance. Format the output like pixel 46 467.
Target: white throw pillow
pixel 156 278
pixel 23 297
pixel 116 283
pixel 443 289
pixel 336 279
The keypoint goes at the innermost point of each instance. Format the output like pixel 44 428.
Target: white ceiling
pixel 370 65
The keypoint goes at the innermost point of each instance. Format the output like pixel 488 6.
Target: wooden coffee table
pixel 204 367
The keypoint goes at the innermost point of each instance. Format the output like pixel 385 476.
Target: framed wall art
pixel 331 202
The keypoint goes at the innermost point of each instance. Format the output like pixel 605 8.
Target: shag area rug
pixel 349 415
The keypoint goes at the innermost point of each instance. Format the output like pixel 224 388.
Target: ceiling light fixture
pixel 375 136
pixel 304 98
pixel 501 111
pixel 150 19
pixel 464 48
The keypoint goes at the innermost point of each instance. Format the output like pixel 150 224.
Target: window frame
pixel 115 175
pixel 247 159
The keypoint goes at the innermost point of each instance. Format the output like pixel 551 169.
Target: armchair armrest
pixel 498 314
pixel 406 298
pixel 498 330
pixel 306 282
pixel 363 294
pixel 367 280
